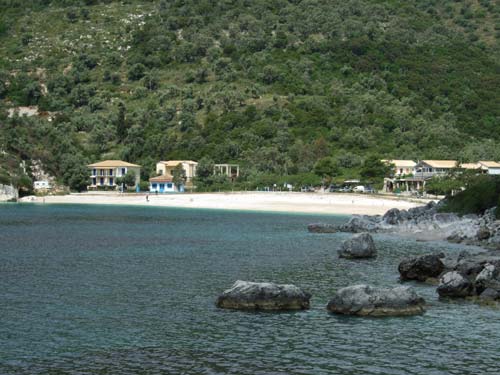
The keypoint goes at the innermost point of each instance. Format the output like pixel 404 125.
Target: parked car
pixel 334 188
pixel 345 189
pixel 369 190
pixel 307 189
pixel 358 189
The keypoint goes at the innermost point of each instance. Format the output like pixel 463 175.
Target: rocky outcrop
pixel 365 300
pixel 426 222
pixel 246 295
pixel 8 193
pixel 421 268
pixel 453 284
pixel 359 246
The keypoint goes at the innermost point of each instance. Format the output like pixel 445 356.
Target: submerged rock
pixel 322 228
pixel 246 295
pixel 421 268
pixel 359 246
pixel 366 300
pixel 453 284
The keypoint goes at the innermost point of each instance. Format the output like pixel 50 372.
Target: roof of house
pixel 490 164
pixel 161 179
pixel 400 163
pixel 112 164
pixel 470 166
pixel 174 163
pixel 441 163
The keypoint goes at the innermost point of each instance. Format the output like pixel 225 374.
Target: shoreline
pixel 286 202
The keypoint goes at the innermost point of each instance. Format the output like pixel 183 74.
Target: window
pixel 111 172
pixel 124 171
pixel 154 186
pixel 169 186
pixel 101 180
pixel 102 172
pixel 94 181
pixel 111 181
pixel 94 172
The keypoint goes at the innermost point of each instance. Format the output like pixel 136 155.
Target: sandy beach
pixel 313 203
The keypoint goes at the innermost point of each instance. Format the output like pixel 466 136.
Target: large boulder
pixel 358 246
pixel 246 295
pixel 421 268
pixel 322 228
pixel 453 284
pixel 366 300
pixel 393 217
pixel 488 278
pixel 364 223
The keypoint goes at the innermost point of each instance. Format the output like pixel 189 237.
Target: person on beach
pixel 147 197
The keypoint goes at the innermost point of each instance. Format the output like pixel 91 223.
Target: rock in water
pixel 322 228
pixel 488 278
pixel 365 300
pixel 421 268
pixel 359 246
pixel 246 295
pixel 453 284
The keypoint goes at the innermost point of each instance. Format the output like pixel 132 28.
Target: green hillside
pixel 274 85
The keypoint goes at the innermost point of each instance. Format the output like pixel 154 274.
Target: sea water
pixel 111 290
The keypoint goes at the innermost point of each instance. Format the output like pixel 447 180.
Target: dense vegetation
pixel 479 195
pixel 293 90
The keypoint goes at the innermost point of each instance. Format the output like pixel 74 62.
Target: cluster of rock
pixel 363 300
pixel 464 276
pixel 426 222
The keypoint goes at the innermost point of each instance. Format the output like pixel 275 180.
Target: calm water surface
pixel 109 290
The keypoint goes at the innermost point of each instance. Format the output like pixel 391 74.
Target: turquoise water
pixel 108 290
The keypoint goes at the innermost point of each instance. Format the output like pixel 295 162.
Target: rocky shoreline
pixel 425 223
pixel 460 276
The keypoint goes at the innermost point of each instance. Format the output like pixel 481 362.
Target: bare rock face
pixel 359 246
pixel 421 268
pixel 8 193
pixel 246 295
pixel 365 300
pixel 453 284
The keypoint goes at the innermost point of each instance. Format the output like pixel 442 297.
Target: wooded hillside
pixel 274 85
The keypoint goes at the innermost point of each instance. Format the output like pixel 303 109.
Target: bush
pixel 483 193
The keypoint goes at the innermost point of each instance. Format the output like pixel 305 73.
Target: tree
pixel 121 124
pixel 179 176
pixel 205 168
pixel 326 168
pixel 79 179
pixel 127 180
pixel 374 169
pixel 136 72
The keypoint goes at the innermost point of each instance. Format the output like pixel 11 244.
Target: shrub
pixel 481 194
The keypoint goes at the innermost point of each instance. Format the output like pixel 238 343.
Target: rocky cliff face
pixel 7 193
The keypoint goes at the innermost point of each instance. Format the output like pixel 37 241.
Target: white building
pixel 491 167
pixel 41 185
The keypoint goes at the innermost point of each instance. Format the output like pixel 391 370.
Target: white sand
pixel 314 203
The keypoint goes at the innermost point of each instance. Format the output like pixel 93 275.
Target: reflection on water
pixel 97 289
